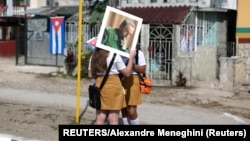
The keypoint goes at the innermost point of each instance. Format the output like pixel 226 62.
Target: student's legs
pixel 113 117
pixel 124 116
pixel 101 116
pixel 132 115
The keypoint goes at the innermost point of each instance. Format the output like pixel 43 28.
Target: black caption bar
pixel 177 132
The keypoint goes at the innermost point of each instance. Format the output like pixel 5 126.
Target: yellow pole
pixel 78 92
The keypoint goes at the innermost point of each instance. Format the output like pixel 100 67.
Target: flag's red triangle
pixel 56 22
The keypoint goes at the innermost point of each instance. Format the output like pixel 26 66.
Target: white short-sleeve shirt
pixel 141 60
pixel 117 65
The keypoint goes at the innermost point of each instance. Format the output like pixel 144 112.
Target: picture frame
pixel 112 19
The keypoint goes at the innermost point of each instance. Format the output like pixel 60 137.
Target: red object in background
pixel 92 43
pixel 151 51
pixel 150 48
pixel 8 48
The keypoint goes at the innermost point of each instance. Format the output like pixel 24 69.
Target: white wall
pixel 10 8
pixel 42 3
pixel 36 4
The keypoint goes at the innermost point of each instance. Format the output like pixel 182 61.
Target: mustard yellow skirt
pixel 131 85
pixel 112 93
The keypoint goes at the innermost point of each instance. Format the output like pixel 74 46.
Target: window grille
pixel 206 29
pixel 203 31
pixel 187 37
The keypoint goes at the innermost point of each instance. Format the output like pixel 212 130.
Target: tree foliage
pixel 97 12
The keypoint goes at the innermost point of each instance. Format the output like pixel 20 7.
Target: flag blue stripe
pixel 57 44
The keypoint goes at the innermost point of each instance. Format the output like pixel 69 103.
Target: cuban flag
pixel 57 35
pixel 92 43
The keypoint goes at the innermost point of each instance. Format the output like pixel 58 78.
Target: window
pixel 27 2
pixel 8 33
pixel 153 1
pixel 193 0
pixel 206 30
pixel 22 2
pixel 187 38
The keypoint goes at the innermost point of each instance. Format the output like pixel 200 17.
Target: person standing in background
pixel 131 85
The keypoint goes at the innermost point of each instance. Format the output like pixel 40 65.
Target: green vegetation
pixel 181 80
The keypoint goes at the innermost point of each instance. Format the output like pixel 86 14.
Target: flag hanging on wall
pixel 57 35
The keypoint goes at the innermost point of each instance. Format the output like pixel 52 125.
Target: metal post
pixel 78 92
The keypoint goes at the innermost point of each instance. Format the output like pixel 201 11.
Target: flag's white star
pixel 56 23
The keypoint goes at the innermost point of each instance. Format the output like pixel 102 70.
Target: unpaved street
pixel 34 120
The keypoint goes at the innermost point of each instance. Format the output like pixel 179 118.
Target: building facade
pixel 188 36
pixel 193 44
pixel 243 44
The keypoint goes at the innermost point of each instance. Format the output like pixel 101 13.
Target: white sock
pixel 135 121
pixel 125 121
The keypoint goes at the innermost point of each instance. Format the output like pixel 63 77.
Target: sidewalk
pixel 9 64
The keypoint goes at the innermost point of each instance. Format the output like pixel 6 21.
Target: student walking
pixel 112 93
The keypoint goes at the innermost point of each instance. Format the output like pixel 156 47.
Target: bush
pixel 181 80
pixel 85 63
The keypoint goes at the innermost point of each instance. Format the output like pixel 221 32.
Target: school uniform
pixel 112 93
pixel 131 84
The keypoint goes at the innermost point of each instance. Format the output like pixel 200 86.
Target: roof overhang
pixel 66 11
pixel 174 15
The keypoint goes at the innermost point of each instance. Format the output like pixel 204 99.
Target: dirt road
pixel 34 120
